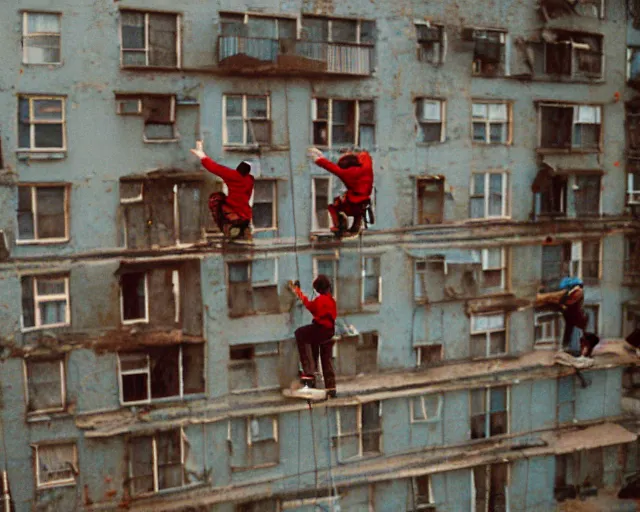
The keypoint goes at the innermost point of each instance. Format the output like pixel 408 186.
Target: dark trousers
pixel 317 341
pixel 574 316
pixel 222 214
pixel 634 338
pixel 342 205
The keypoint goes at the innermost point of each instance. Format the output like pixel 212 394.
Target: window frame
pixel 477 63
pixel 378 299
pixel 487 472
pixel 55 483
pixel 155 468
pixel 505 212
pixel 571 148
pixel 423 47
pixel 63 385
pixel 631 265
pixel 359 432
pixel 34 212
pixel 26 35
pixel 334 277
pixel 251 362
pixel 32 123
pixel 556 321
pixel 52 298
pixel 484 257
pixel 419 102
pixel 329 122
pixel 274 203
pixel 487 121
pixel 147 47
pixel 633 188
pixel 273 281
pixel 314 220
pixel 425 418
pixel 430 506
pixel 487 390
pixel 246 121
pixel 145 319
pixel 575 73
pixel 419 214
pixel 630 310
pixel 488 332
pixel 249 441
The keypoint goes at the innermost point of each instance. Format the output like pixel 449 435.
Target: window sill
pixel 432 143
pixel 43 327
pixel 40 416
pixel 34 154
pixel 254 390
pixel 127 323
pixel 152 68
pixel 488 220
pixel 160 141
pixel 561 151
pixel 163 492
pixel 43 241
pixel 265 230
pixel 42 64
pixel 165 401
pixel 252 468
pixel 253 313
pixel 54 485
pixel 477 144
pixel 255 148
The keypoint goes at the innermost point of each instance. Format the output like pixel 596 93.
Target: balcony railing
pixel 289 55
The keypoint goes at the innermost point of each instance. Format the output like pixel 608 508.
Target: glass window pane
pixel 477 401
pixel 28 311
pixel 479 132
pixel 348 420
pixel 47 110
pixel 287 29
pixel 50 286
pixel 344 31
pixel 322 109
pixel 51 217
pixel 53 312
pixel 235 131
pixel 367 32
pixel 49 136
pixel 43 23
pixel 367 112
pixel 477 208
pixel 315 29
pixel 132 30
pixel 256 107
pixel 239 272
pixel 141 457
pixel 479 110
pixel 367 136
pixel 44 385
pixel 497 343
pixel 498 399
pixel 261 27
pixel 498 133
pixel 234 106
pixel 263 215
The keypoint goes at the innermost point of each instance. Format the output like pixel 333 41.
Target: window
pixel 587 195
pixel 45 302
pixel 556 261
pixel 633 188
pixel 41 125
pixel 578 259
pixel 343 123
pixel 570 127
pixel 428 354
pixel 338 30
pixel 632 256
pixel 426 408
pixel 157 110
pixel 491 123
pixel 633 63
pixel 430 200
pixel 550 189
pixel 432 42
pixel 134 302
pixel 547 329
pixel 45 385
pixel 490 487
pixel 172 371
pixel 493 269
pixel 431 117
pixel 41 38
pixel 489 412
pixel 156 462
pixel 327 265
pixel 587 8
pixel 632 125
pixel 56 464
pixel 253 287
pixel 253 442
pixel 150 39
pixel 566 407
pixel 489 52
pixel 488 335
pixel 631 318
pixel 247 120
pixel 593 317
pixel 254 367
pixel 43 213
pixel 575 471
pixel 371 280
pixel 358 430
pixel 489 193
pixel 367 353
pixel 421 494
pixel 574 54
pixel 321 199
pixel 357 354
pixel 264 205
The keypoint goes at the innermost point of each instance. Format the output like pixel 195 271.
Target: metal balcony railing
pixel 294 55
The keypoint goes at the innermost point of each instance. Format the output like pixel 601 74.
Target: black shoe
pixel 331 393
pixel 308 381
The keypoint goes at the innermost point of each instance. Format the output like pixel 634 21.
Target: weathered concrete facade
pixel 143 358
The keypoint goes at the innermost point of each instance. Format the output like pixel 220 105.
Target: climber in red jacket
pixel 356 172
pixel 316 339
pixel 232 213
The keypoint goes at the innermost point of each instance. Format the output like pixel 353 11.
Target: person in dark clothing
pixel 316 339
pixel 588 342
pixel 634 339
pixel 356 172
pixel 232 213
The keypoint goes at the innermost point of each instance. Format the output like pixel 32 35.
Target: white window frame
pixel 431 505
pixel 26 35
pixel 122 111
pixel 504 213
pixel 633 188
pixel 154 447
pixel 487 332
pixel 276 18
pixel 34 212
pixel 147 48
pixel 358 431
pixel 329 120
pixel 577 258
pixel 248 438
pixel 334 277
pixel 487 407
pixel 274 201
pixel 364 276
pixel 422 273
pixel 631 49
pixel 174 135
pixel 137 199
pixel 63 385
pixel 573 106
pixel 422 120
pixel 488 486
pixel 442 54
pixel 424 417
pixel 145 319
pixel 55 483
pixel 548 321
pixel 37 299
pixel 246 121
pixel 32 123
pixel 488 121
pixel 314 221
pixel 484 256
pixel 138 371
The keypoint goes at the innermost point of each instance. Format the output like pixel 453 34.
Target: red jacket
pixel 323 308
pixel 358 180
pixel 240 187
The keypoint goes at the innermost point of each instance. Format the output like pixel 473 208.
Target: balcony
pixel 252 55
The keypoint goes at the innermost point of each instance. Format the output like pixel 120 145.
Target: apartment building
pixel 143 358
